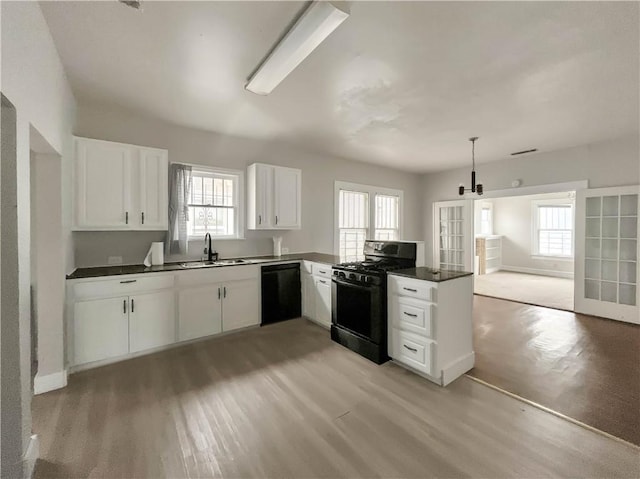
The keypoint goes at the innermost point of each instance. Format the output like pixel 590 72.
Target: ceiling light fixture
pixel 474 188
pixel 516 153
pixel 312 28
pixel 136 4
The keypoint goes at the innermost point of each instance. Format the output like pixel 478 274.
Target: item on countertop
pixel 277 246
pixel 155 256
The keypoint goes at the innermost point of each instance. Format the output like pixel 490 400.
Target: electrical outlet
pixel 285 250
pixel 114 260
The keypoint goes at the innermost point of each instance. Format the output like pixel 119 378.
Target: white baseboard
pixel 30 457
pixel 539 272
pixel 50 382
pixel 457 368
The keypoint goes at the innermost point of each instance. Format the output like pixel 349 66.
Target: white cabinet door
pixel 153 207
pixel 240 304
pixel 308 296
pixel 100 329
pixel 323 301
pixel 199 311
pixel 607 248
pixel 259 197
pixel 102 182
pixel 152 320
pixel 287 198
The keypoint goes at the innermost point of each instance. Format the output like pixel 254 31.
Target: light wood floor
pixel 284 401
pixel 526 288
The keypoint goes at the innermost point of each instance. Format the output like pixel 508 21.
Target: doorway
pixel 524 248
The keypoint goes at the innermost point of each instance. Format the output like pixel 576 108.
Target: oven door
pixel 358 308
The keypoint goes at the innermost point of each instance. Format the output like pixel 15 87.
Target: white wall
pixel 608 163
pixel 513 219
pixel 319 172
pixel 33 79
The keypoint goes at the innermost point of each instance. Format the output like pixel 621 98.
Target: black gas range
pixel 359 297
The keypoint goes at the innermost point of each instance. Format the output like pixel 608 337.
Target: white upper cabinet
pixel 103 184
pixel 274 197
pixel 154 189
pixel 120 187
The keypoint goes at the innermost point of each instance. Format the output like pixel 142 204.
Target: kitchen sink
pixel 197 264
pixel 231 261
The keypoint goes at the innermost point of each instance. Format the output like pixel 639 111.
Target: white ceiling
pixel 399 84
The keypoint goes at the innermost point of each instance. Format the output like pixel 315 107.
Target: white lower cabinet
pixel 323 301
pixel 316 293
pixel 430 328
pixel 199 312
pixel 100 329
pixel 240 304
pixel 152 320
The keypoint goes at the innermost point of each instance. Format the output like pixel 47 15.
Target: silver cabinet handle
pixel 276 219
pixel 259 219
pixel 128 281
pixel 323 272
pixel 322 281
pixel 410 348
pixel 124 306
pixel 143 217
pixel 133 305
pixel 411 289
pixel 410 314
pixel 126 217
pixel 218 293
pixel 224 291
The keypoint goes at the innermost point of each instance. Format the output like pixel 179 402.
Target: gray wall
pixel 609 163
pixel 513 219
pixel 319 172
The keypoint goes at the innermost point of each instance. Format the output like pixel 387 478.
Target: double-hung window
pixel 215 204
pixel 365 212
pixel 553 229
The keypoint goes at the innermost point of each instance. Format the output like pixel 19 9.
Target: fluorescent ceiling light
pixel 316 23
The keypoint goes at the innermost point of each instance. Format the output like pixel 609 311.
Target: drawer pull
pixel 410 348
pixel 323 272
pixel 410 314
pixel 410 289
pixel 128 281
pixel 322 281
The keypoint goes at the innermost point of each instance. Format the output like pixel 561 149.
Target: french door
pixel 453 235
pixel 607 251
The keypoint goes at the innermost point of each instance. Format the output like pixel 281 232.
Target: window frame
pixel 238 179
pixel 535 230
pixel 372 191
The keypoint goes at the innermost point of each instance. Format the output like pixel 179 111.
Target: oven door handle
pixel 352 284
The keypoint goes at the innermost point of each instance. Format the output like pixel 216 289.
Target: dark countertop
pixel 99 271
pixel 428 274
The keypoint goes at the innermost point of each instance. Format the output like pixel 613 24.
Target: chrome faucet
pixel 211 255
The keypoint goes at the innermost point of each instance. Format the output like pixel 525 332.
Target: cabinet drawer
pixel 413 288
pixel 320 269
pixel 122 285
pixel 413 315
pixel 414 351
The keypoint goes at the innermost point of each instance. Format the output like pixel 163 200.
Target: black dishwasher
pixel 281 293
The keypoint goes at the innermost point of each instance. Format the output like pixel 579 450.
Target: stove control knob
pixel 368 279
pixel 336 273
pixel 352 276
pixel 342 275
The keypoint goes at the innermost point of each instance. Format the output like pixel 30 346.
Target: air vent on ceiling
pixel 516 153
pixel 137 4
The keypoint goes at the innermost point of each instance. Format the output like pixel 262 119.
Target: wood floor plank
pixel 284 401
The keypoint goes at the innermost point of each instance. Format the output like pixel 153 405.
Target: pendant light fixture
pixel 474 188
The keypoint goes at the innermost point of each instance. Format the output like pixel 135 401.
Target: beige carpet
pixel 527 288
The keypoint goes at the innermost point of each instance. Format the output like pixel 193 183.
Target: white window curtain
pixel 180 183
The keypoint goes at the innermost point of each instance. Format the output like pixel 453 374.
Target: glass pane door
pixel 607 253
pixel 453 221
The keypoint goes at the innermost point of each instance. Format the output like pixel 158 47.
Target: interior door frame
pixel 605 309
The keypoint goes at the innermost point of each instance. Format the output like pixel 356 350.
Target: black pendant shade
pixel 474 188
